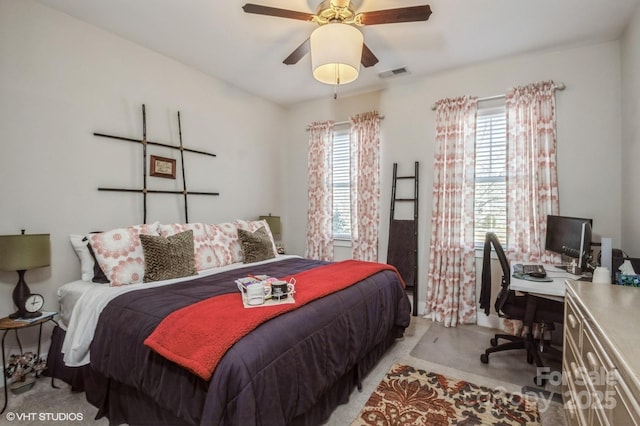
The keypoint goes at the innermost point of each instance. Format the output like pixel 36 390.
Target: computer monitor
pixel 568 236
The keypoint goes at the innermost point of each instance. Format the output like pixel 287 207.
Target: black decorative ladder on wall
pixel 402 251
pixel 145 190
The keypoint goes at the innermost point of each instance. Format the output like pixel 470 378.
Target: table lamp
pixel 20 253
pixel 274 225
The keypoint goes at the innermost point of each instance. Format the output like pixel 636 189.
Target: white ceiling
pixel 247 50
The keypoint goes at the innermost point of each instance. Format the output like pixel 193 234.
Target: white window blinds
pixel 341 185
pixel 491 172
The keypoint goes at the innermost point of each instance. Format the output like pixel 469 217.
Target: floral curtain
pixel 532 189
pixel 451 290
pixel 365 185
pixel 320 211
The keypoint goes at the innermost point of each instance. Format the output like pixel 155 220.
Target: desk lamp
pixel 20 253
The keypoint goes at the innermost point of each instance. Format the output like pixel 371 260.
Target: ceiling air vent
pixel 394 73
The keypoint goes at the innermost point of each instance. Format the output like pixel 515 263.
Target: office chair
pixel 511 306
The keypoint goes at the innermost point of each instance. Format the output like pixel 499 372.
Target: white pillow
pixel 79 243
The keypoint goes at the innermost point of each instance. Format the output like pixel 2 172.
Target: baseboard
pixel 490 321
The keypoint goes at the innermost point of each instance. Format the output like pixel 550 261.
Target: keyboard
pixel 534 271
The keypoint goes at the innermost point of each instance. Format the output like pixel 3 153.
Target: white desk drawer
pixel 625 410
pixel 573 415
pixel 575 393
pixel 599 417
pixel 573 322
pixel 595 359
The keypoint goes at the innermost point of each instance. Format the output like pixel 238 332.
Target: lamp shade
pixel 26 251
pixel 336 53
pixel 274 224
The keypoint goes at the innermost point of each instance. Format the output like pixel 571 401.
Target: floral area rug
pixel 408 396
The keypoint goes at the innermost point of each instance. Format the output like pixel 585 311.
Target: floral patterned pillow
pixel 224 240
pixel 204 254
pixel 119 252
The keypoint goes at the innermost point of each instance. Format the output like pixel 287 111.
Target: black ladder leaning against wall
pixel 402 251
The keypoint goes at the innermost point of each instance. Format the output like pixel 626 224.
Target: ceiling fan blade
pixel 368 58
pixel 274 11
pixel 390 16
pixel 297 54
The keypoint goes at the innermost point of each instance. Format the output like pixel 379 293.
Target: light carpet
pixel 460 347
pixel 409 396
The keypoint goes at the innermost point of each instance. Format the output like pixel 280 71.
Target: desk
pixel 555 288
pixel 535 291
pixel 533 307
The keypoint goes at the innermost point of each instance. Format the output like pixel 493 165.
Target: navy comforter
pixel 273 376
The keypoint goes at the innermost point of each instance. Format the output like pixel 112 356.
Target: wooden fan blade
pixel 368 58
pixel 297 54
pixel 274 11
pixel 391 16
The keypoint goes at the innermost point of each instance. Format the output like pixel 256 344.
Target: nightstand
pixel 7 324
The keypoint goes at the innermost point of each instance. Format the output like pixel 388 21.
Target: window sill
pixel 341 243
pixel 480 254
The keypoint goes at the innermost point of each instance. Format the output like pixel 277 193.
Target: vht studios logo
pixel 583 398
pixel 44 417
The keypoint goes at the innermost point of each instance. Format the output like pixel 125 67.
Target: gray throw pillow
pixel 256 246
pixel 170 257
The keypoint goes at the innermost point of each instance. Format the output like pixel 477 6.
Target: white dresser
pixel 601 354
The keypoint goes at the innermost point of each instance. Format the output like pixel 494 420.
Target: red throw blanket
pixel 188 338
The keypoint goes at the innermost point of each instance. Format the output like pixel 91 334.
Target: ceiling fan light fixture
pixel 336 53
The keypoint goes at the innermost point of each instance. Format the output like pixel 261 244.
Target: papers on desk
pixel 546 279
pixel 530 272
pixel 561 272
pixel 553 288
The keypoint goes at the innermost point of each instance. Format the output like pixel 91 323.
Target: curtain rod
pixel 339 123
pixel 559 86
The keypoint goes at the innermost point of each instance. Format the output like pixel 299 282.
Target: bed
pixel 294 368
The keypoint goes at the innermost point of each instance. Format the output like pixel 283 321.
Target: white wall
pixel 60 81
pixel 631 136
pixel 589 148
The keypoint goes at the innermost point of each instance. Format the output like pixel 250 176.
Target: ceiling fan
pixel 330 11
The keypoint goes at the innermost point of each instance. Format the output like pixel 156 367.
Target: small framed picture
pixel 162 167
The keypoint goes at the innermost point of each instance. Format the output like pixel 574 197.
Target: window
pixel 341 184
pixel 491 173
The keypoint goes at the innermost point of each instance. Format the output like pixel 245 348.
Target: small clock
pixel 33 303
